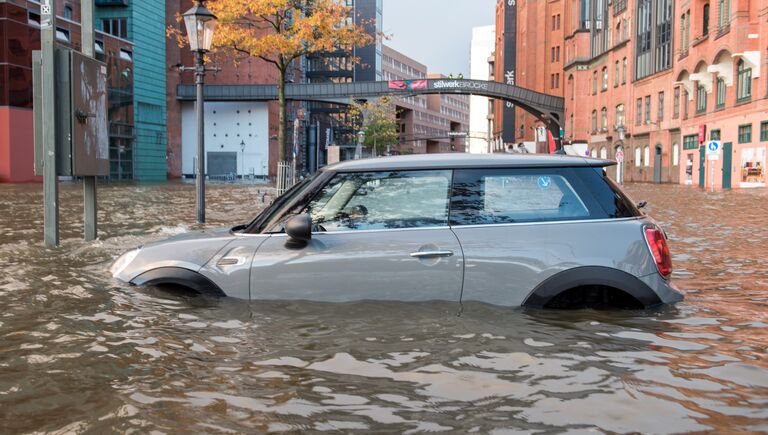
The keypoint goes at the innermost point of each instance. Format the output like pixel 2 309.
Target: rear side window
pixel 500 196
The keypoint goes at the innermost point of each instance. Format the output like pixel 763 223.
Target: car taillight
pixel 657 242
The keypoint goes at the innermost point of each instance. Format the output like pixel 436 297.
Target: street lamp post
pixel 242 149
pixel 200 23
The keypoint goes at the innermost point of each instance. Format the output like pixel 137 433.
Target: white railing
pixel 286 177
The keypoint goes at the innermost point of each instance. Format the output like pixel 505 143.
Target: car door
pixel 377 235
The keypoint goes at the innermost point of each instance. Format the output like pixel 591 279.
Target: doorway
pixel 657 164
pixel 702 165
pixel 727 163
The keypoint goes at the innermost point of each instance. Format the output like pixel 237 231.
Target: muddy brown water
pixel 81 353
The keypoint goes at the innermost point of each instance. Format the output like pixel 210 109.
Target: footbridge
pixel 547 108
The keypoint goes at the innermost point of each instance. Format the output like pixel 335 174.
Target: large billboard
pixel 510 65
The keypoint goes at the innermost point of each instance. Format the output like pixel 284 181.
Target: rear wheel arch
pixel 178 276
pixel 593 279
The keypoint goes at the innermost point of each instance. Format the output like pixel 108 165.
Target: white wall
pixel 483 41
pixel 226 126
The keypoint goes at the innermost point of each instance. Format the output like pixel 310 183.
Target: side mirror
pixel 299 230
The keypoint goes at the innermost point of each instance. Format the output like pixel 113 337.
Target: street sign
pixel 620 156
pixel 713 149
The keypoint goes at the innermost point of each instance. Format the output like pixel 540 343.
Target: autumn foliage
pixel 282 31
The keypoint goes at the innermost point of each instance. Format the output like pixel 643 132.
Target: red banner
pixel 702 133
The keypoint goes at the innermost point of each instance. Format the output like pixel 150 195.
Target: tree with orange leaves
pixel 282 31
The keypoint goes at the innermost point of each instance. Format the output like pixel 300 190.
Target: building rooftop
pixel 462 160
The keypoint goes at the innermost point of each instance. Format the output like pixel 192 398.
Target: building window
pixel 675 154
pixel 605 78
pixel 624 71
pixel 620 115
pixel 594 83
pixel 714 134
pixel 558 21
pixel 594 120
pixel 619 6
pixel 557 52
pixel 720 97
pixel 639 112
pixel 647 155
pixel 661 107
pixel 616 75
pixel 647 109
pixel 764 131
pixel 553 22
pixel 126 55
pixel 743 81
pixel 705 20
pixel 686 97
pixel 654 35
pixel 115 27
pixel 603 152
pixel 572 86
pixel 62 34
pixel 638 156
pixel 68 12
pixel 691 142
pixel 745 133
pixel 676 103
pixel 701 99
pixel 603 119
pixel 618 32
pixel 723 15
pixel 683 38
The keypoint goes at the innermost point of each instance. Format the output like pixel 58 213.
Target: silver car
pixel 532 230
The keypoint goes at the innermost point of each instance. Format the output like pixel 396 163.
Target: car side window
pixel 499 196
pixel 382 200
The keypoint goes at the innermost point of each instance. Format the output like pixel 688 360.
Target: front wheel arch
pixel 591 277
pixel 180 277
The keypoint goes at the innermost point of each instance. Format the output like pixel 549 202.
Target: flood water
pixel 81 353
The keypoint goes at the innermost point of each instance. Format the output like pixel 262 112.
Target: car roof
pixel 464 160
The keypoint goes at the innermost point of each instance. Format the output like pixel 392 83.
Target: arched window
pixel 68 12
pixel 594 120
pixel 624 71
pixel 603 119
pixel 723 15
pixel 638 157
pixel 603 153
pixel 594 82
pixel 619 115
pixel 605 78
pixel 619 36
pixel 701 99
pixel 593 153
pixel 720 97
pixel 743 82
pixel 647 155
pixel 675 154
pixel 571 86
pixel 705 20
pixel 616 74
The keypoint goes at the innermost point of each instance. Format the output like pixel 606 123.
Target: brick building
pixel 425 120
pixel 654 80
pixel 19 36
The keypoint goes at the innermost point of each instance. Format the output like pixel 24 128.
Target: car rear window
pixel 500 196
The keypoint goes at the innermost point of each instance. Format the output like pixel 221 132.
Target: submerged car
pixel 511 230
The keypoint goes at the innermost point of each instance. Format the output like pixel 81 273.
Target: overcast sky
pixel 436 32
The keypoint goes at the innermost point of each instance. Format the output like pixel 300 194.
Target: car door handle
pixel 431 254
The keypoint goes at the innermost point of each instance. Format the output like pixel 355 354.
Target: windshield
pixel 257 225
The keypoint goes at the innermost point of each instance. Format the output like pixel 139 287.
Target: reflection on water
pixel 81 353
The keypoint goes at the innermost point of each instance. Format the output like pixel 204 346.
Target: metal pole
pixel 50 172
pixel 712 174
pixel 89 182
pixel 200 179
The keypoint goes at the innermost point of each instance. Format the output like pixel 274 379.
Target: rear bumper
pixel 667 291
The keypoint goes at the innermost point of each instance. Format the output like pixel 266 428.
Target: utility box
pixel 82 137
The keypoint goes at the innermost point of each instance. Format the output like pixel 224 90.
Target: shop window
pixel 675 154
pixel 745 133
